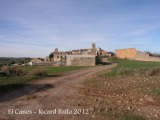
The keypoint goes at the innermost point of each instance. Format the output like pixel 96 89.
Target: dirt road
pixel 45 99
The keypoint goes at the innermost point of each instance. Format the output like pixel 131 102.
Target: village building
pixel 47 59
pixel 59 56
pixel 79 57
pixel 133 54
pixel 37 60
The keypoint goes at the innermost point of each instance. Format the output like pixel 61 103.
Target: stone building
pixel 83 57
pixel 37 60
pixel 133 54
pixel 59 56
pixel 91 51
pixel 87 57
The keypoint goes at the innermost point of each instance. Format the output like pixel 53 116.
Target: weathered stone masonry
pixel 81 60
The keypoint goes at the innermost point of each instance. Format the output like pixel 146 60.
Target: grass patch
pixel 129 67
pixel 32 73
pixel 155 92
pixel 132 117
pixel 125 72
pixel 52 70
pixel 133 64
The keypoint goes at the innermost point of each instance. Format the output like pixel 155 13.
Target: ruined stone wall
pixel 145 57
pixel 49 63
pixel 141 56
pixel 81 60
pixel 104 59
pixel 129 53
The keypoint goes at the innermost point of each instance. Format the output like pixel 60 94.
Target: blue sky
pixel 34 28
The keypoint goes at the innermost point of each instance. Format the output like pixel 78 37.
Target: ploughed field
pixel 36 100
pixel 130 91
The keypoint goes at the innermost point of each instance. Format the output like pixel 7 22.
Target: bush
pixel 3 74
pixel 155 71
pixel 11 71
pixel 5 71
pixel 40 73
pixel 17 72
pixel 143 72
pixel 148 71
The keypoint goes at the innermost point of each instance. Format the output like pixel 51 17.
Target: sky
pixel 34 28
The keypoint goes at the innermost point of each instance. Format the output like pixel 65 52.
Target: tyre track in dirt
pixel 48 99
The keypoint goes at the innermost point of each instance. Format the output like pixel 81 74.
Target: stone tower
pixel 56 50
pixel 93 45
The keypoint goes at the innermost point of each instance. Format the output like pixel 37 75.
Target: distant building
pixel 47 59
pixel 85 57
pixel 37 60
pixel 81 60
pixel 59 56
pixel 133 54
pixel 129 53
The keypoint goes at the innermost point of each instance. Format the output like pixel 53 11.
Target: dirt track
pixel 47 94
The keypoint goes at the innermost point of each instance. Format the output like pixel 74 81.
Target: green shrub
pixel 3 74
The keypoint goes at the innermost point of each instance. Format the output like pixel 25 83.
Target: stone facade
pixel 145 57
pixel 82 57
pixel 81 60
pixel 59 56
pixel 133 54
pixel 37 60
pixel 49 63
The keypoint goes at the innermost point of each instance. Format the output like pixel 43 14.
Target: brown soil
pixel 120 98
pixel 49 94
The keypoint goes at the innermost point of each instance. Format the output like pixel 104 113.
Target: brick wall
pixel 129 53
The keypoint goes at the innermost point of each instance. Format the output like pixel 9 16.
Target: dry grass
pixel 40 73
pixel 12 71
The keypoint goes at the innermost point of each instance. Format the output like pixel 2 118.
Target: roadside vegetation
pixel 22 74
pixel 130 91
pixel 133 68
pixel 10 61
